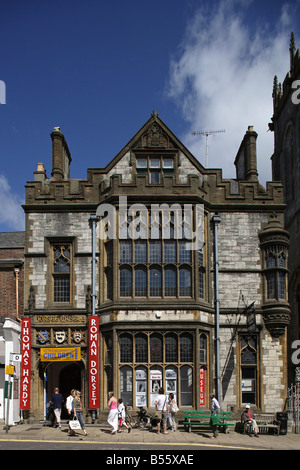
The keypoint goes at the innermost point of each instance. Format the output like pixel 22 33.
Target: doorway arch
pixel 66 376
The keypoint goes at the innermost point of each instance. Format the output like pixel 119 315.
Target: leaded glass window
pixel 186 348
pixel 126 352
pixel 156 350
pixel 61 272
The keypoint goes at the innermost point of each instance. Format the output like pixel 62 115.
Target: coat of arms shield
pixel 77 336
pixel 60 336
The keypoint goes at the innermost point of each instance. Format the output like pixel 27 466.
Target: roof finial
pixel 154 114
pixel 292 53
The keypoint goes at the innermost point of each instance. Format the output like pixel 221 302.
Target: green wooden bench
pixel 196 418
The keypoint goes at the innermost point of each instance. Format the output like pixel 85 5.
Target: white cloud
pixel 223 79
pixel 11 212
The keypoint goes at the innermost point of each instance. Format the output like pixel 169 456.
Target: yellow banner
pixel 60 354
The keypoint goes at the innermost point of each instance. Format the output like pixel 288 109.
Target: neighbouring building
pixel 11 310
pixel 191 318
pixel 286 167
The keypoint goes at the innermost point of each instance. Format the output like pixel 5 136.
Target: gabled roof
pixel 154 135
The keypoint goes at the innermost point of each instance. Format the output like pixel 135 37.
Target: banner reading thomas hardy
pixel 25 364
pixel 93 362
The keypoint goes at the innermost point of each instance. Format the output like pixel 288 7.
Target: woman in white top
pixel 171 415
pixel 161 404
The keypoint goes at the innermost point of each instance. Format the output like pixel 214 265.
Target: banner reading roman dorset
pixel 93 362
pixel 25 364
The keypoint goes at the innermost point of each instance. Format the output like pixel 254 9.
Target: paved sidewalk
pixel 137 438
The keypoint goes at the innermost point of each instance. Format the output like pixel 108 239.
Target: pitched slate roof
pixel 12 239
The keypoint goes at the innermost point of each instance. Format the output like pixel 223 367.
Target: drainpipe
pixel 216 220
pixel 93 220
pixel 17 271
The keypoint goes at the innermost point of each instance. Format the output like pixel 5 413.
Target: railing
pixel 293 406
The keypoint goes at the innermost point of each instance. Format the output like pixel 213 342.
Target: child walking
pixel 121 414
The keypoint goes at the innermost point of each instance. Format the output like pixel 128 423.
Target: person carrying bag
pixel 162 406
pixel 173 409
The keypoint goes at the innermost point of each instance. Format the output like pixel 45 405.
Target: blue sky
pixel 98 69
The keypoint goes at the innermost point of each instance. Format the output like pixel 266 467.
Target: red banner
pixel 93 362
pixel 202 387
pixel 25 364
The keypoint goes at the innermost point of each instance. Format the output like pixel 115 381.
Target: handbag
pixel 175 408
pixel 74 424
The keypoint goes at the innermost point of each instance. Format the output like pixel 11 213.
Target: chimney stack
pixel 245 162
pixel 61 157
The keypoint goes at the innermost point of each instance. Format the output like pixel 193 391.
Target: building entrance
pixel 64 375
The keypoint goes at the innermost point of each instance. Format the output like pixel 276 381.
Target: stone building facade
pixel 191 318
pixel 286 167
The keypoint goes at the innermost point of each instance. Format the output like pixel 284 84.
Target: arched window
pixel 171 348
pixel 141 348
pixel 126 348
pixel 201 284
pixel 141 384
pixel 126 385
pixel 140 282
pixel 185 282
pixel 186 386
pixel 276 273
pixel 155 282
pixel 125 282
pixel 170 282
pixel 186 348
pixel 203 341
pixel 156 350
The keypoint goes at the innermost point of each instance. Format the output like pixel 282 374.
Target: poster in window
pixel 171 381
pixel 141 387
pixel 248 385
pixel 155 384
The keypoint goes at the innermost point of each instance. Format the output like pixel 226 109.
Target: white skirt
pixel 113 419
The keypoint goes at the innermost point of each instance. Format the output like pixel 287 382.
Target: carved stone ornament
pixel 31 300
pixel 155 137
pixel 277 318
pixel 60 336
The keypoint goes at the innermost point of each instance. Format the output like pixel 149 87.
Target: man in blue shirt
pixel 57 400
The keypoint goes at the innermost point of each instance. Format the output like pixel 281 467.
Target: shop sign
pixel 60 354
pixel 10 370
pixel 202 387
pixel 25 364
pixel 93 362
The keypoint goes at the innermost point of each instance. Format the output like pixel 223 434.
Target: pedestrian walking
pixel 113 412
pixel 77 408
pixel 214 408
pixel 57 401
pixel 69 403
pixel 70 410
pixel 121 415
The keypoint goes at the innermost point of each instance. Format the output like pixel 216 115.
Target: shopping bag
pixel 215 419
pixel 175 408
pixel 74 424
